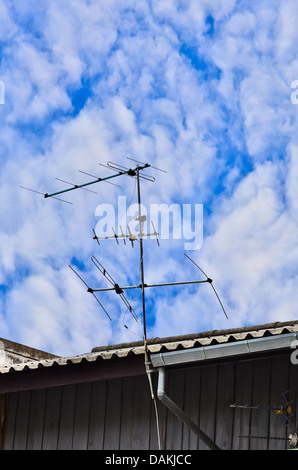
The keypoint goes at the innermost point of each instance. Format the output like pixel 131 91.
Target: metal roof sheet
pixel 157 345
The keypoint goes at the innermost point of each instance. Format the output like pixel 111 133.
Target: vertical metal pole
pixel 142 262
pixel 147 360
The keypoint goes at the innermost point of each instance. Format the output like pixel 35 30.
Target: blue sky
pixel 201 89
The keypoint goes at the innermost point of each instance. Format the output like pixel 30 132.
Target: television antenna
pixel 110 165
pixel 280 410
pixel 285 410
pixel 131 236
pixel 120 170
pixel 292 439
pixel 135 173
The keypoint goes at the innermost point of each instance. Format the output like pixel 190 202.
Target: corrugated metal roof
pixel 157 345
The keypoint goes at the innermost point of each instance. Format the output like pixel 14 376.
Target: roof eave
pixel 225 350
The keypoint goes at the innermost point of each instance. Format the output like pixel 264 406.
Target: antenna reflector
pixel 117 167
pixel 99 179
pixel 129 171
pixel 116 236
pixel 45 194
pixel 76 186
pixel 32 190
pixel 122 235
pixel 146 164
pixel 210 282
pixel 116 287
pixel 155 233
pixel 91 292
pixel 95 237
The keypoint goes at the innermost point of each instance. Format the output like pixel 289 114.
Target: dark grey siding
pixel 119 413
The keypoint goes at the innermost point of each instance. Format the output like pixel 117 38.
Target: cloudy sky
pixel 204 89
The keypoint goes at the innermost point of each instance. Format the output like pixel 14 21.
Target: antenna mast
pixel 142 262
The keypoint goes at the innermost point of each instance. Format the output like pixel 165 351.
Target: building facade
pixel 102 400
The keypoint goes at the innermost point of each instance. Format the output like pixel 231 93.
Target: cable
pixel 153 396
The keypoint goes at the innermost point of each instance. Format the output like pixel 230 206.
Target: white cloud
pixel 7 26
pixel 51 312
pixel 210 106
pixel 292 178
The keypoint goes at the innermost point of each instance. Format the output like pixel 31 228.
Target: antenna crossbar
pixel 139 286
pixel 120 171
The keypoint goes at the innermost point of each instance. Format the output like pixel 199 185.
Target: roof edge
pixel 224 350
pixel 11 352
pixel 192 336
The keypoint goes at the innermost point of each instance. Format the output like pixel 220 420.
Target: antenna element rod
pixel 140 286
pixel 128 172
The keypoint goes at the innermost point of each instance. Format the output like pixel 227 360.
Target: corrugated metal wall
pixel 119 414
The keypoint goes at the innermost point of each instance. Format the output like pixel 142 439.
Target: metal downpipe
pixel 180 413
